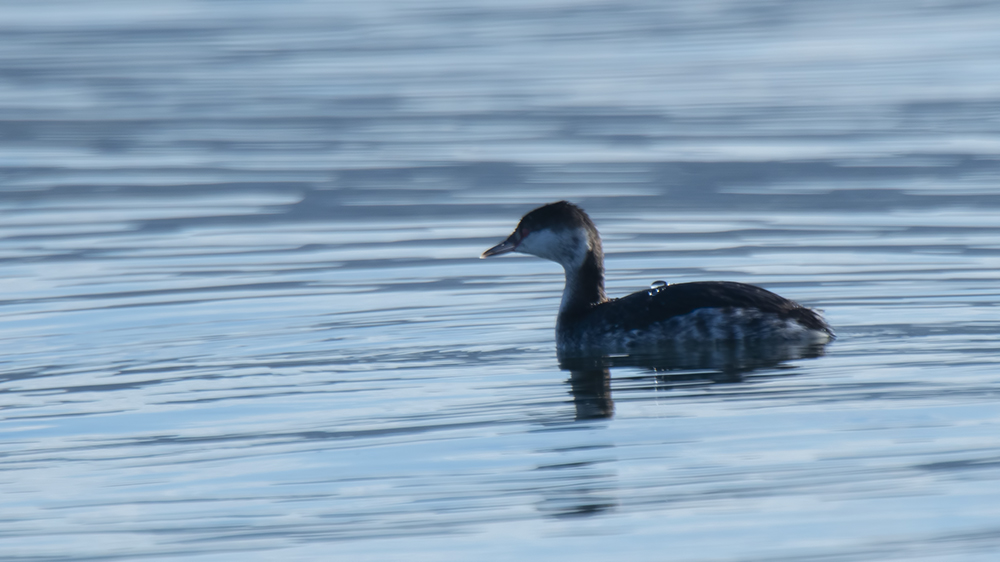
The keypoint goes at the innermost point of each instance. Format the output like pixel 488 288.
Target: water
pixel 243 318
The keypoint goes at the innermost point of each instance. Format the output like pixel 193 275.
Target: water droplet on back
pixel 656 286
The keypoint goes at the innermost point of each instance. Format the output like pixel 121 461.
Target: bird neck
pixel 584 286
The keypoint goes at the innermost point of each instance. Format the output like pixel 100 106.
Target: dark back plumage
pixel 644 308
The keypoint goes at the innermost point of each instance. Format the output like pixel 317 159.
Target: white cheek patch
pixel 567 247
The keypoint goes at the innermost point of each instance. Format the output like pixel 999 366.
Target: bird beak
pixel 508 245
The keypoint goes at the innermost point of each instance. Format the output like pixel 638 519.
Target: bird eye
pixel 524 232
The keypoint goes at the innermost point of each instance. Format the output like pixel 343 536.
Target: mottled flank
pixel 738 325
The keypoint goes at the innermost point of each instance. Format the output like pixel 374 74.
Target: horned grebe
pixel 676 314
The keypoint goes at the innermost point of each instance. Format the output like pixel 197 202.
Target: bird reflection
pixel 710 363
pixel 591 390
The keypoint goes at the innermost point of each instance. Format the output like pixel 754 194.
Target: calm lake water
pixel 243 315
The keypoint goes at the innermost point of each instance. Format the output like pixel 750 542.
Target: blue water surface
pixel 243 317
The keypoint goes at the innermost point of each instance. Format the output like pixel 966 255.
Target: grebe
pixel 676 314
